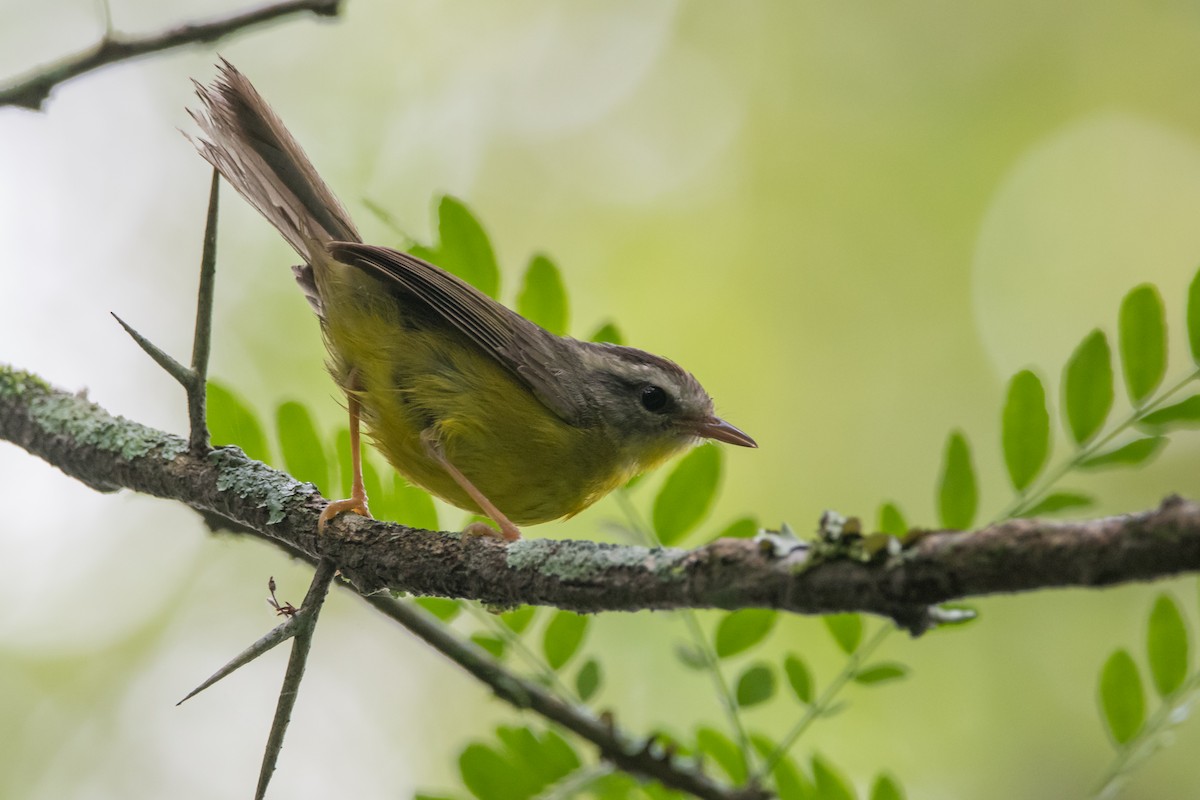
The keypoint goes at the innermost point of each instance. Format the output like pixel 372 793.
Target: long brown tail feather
pixel 249 145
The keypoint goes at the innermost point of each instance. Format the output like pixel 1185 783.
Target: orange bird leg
pixel 508 531
pixel 357 501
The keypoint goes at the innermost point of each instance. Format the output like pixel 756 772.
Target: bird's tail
pixel 250 147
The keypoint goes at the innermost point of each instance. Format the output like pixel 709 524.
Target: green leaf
pixel 489 776
pixel 1025 429
pixel 1143 342
pixel 1184 414
pixel 303 453
pixel 755 685
pixel 881 673
pixel 519 618
pixel 717 746
pixel 230 421
pixel 743 528
pixel 1121 698
pixel 790 782
pixel 1136 452
pixel 557 757
pixel 493 645
pixel 1088 387
pixel 1167 646
pixel 412 505
pixel 891 520
pixel 443 608
pixel 563 637
pixel 687 494
pixel 798 677
pixel 886 788
pixel 740 630
pixel 846 629
pixel 540 760
pixel 1193 317
pixel 830 782
pixel 463 247
pixel 587 680
pixel 608 332
pixel 543 298
pixel 958 497
pixel 1058 501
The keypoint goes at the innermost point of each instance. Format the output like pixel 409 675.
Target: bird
pixel 463 396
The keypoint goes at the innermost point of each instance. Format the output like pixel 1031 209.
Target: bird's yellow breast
pixel 412 373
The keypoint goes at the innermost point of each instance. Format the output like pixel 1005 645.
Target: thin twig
pixel 32 90
pixel 712 664
pixel 309 612
pixel 614 745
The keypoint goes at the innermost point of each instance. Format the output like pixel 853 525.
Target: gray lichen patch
pixel 88 424
pixel 18 383
pixel 255 481
pixel 589 562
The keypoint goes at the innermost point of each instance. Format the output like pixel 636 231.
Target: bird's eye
pixel 655 399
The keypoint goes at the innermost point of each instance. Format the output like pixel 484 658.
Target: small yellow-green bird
pixel 463 396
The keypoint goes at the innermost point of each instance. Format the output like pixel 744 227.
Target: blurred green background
pixel 852 221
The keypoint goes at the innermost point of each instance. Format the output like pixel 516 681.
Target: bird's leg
pixel 508 531
pixel 357 501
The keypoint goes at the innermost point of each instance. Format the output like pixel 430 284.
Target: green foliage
pixel 410 505
pixel 1088 387
pixel 494 646
pixel 609 333
pixel 230 421
pixel 891 520
pixel 587 680
pixel 846 629
pixel 886 788
pixel 443 608
pixel 1193 317
pixel 741 528
pixel 882 672
pixel 1167 646
pixel 790 782
pixel 740 630
pixel 1138 451
pixel 543 298
pixel 521 765
pixel 1025 429
pixel 1056 502
pixel 563 637
pixel 303 453
pixel 519 618
pixel 1143 342
pixel 755 685
pixel 687 494
pixel 831 783
pixel 958 495
pixel 463 247
pixel 799 678
pixel 720 748
pixel 1184 414
pixel 1122 699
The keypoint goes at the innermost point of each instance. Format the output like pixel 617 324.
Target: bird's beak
pixel 722 431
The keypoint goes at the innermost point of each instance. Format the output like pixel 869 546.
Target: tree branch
pixel 32 90
pixel 109 453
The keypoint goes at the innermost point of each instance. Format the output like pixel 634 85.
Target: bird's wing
pixel 543 362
